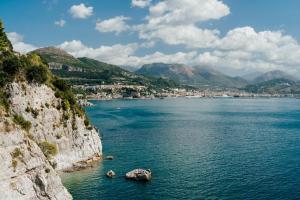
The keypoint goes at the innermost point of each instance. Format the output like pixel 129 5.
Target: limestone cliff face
pixel 25 173
pixel 74 140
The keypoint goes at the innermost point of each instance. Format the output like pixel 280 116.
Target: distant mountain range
pixel 160 75
pixel 89 71
pixel 276 74
pixel 275 86
pixel 194 76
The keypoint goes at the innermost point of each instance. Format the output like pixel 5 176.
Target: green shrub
pixel 26 125
pixel 4 42
pixel 3 79
pixel 11 65
pixel 4 100
pixel 65 105
pixel 38 74
pixel 16 153
pixel 14 164
pixel 86 122
pixel 48 149
pixel 61 84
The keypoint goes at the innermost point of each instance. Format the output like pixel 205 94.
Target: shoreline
pixel 194 97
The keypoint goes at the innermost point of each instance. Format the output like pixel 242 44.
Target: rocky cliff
pixel 25 172
pixel 74 140
pixel 42 128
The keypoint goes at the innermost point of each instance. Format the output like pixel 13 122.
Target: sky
pixel 236 37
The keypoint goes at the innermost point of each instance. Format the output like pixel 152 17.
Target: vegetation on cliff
pixel 32 69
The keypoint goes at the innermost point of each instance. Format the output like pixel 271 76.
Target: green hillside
pixel 90 71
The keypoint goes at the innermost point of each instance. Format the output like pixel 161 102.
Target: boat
pixel 139 175
pixel 110 174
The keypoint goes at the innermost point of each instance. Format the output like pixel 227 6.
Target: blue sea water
pixel 196 148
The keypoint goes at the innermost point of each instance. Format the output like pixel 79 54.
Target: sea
pixel 226 148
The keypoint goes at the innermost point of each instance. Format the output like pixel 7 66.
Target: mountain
pixel 275 86
pixel 194 76
pixel 89 71
pixel 251 76
pixel 272 75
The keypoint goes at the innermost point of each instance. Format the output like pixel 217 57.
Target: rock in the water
pixel 110 174
pixel 109 157
pixel 139 175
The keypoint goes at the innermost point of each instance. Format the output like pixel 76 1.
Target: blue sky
pixel 235 36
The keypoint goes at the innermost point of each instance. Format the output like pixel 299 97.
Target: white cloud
pixel 117 54
pixel 123 54
pixel 18 44
pixel 140 3
pixel 177 22
pixel 81 11
pixel 60 23
pixel 117 24
pixel 188 35
pixel 240 51
pixel 174 12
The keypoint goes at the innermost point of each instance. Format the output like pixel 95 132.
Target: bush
pixel 11 65
pixel 26 125
pixel 14 164
pixel 38 74
pixel 48 149
pixel 61 84
pixel 4 101
pixel 3 79
pixel 65 105
pixel 16 153
pixel 86 122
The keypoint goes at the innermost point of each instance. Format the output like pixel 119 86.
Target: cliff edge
pixel 42 128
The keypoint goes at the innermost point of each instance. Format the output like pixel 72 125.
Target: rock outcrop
pixel 38 104
pixel 25 172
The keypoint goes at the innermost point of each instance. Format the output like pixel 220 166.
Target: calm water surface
pixel 196 148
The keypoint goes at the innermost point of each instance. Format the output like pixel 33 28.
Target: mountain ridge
pixel 197 76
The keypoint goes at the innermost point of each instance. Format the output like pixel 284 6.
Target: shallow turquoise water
pixel 196 148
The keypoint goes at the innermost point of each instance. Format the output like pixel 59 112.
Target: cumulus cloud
pixel 18 44
pixel 181 12
pixel 60 23
pixel 140 3
pixel 187 35
pixel 177 22
pixel 115 54
pixel 117 24
pixel 81 11
pixel 123 54
pixel 240 51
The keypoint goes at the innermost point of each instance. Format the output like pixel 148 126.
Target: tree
pixel 38 74
pixel 5 44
